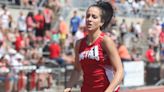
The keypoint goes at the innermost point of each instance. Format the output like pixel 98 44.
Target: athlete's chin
pixel 91 29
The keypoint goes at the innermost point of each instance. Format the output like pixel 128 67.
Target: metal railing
pixel 160 82
pixel 60 74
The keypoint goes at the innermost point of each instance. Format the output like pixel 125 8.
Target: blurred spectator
pixel 138 30
pixel 68 2
pixel 21 81
pixel 63 30
pixel 2 48
pixel 74 23
pixel 47 36
pixel 135 6
pixel 5 18
pixel 40 24
pixel 30 21
pixel 21 77
pixel 162 63
pixel 142 4
pixel 48 14
pixel 123 52
pixel 151 36
pixel 44 79
pixel 121 1
pixel 21 22
pixel 56 36
pixel 69 43
pixel 55 5
pixel 114 22
pixel 129 37
pixel 5 76
pixel 20 41
pixel 1 35
pixel 34 56
pixel 69 57
pixel 157 32
pixel 17 2
pixel 161 37
pixel 161 40
pixel 123 28
pixel 37 48
pixel 13 63
pixel 135 55
pixel 79 34
pixel 127 7
pixel 4 9
pixel 32 38
pixel 55 53
pixel 151 2
pixel 27 3
pixel 150 54
pixel 32 81
pixel 82 22
pixel 113 34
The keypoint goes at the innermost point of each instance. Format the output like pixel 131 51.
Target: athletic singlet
pixel 97 72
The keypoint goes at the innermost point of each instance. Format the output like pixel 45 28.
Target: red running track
pixel 146 89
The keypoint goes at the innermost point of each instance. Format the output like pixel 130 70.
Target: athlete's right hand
pixel 67 90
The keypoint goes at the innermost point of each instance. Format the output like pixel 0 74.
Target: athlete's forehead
pixel 94 10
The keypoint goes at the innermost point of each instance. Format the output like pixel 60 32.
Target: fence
pixel 32 75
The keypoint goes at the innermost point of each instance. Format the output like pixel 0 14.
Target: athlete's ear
pixel 102 22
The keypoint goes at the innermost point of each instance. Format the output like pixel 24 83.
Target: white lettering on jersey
pixel 90 54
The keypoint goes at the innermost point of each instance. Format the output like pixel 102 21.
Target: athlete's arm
pixel 77 70
pixel 111 50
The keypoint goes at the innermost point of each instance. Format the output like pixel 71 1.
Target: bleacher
pixel 152 12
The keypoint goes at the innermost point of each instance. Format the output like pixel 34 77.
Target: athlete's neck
pixel 93 36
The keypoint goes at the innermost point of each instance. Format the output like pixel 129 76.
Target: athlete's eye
pixel 88 15
pixel 94 16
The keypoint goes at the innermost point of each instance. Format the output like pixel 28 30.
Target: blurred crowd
pixel 22 43
pixel 32 40
pixel 137 8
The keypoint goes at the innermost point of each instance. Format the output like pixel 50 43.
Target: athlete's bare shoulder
pixel 107 39
pixel 78 42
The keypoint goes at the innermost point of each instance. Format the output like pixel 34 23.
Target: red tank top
pixel 97 72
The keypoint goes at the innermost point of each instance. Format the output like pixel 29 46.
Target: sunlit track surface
pixel 146 89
